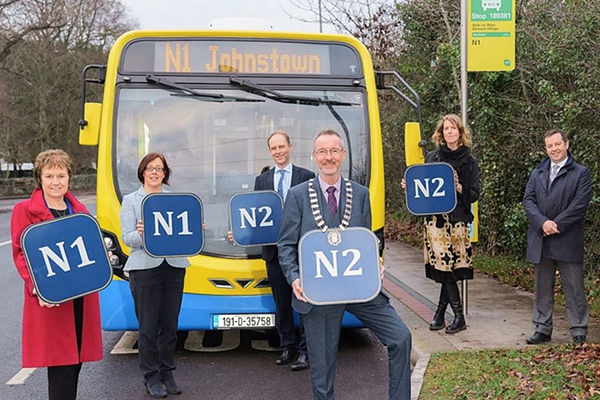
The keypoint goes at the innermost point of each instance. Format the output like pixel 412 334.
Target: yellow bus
pixel 208 100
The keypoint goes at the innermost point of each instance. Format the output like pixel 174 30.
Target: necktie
pixel 331 201
pixel 280 184
pixel 554 172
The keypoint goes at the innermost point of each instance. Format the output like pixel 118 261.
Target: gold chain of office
pixel 334 235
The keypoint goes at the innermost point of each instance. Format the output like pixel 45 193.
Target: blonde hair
pixel 55 158
pixel 464 137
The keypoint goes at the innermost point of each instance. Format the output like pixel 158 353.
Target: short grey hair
pixel 329 132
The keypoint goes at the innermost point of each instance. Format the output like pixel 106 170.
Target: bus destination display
pixel 249 57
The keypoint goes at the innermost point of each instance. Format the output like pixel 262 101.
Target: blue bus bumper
pixel 118 312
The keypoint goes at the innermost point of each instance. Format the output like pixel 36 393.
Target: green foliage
pixel 555 85
pixel 506 269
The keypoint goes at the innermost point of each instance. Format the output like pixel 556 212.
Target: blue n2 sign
pixel 347 272
pixel 255 217
pixel 172 224
pixel 66 258
pixel 430 189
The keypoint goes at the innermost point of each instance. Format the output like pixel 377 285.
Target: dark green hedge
pixel 556 84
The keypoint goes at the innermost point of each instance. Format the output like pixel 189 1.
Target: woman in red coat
pixel 63 336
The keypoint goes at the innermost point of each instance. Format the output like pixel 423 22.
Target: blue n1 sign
pixel 430 189
pixel 66 258
pixel 172 224
pixel 346 272
pixel 255 217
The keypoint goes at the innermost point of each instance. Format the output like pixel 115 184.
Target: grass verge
pixel 552 373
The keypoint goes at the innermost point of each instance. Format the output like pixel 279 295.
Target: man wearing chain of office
pixel 341 204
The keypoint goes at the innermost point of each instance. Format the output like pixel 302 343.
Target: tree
pixel 15 18
pixel 40 92
pixel 373 22
pixel 555 84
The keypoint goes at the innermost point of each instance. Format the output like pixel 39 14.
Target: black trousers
pixel 157 294
pixel 63 379
pixel 284 318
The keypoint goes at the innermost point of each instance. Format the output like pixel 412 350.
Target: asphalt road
pixel 242 373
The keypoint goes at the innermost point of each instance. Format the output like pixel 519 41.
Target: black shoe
pixel 439 320
pixel 579 339
pixel 457 325
pixel 538 337
pixel 172 387
pixel 156 390
pixel 434 326
pixel 286 357
pixel 301 363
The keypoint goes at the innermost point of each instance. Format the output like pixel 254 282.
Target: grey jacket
pixel 564 202
pixel 131 213
pixel 298 219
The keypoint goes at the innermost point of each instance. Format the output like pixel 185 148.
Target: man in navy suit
pixel 556 198
pixel 280 178
pixel 322 323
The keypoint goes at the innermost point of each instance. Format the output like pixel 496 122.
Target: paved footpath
pixel 499 316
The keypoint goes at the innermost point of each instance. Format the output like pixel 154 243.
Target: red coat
pixel 49 333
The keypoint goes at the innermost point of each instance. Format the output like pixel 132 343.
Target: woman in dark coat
pixel 63 336
pixel 448 256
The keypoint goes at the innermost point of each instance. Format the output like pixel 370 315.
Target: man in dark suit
pixel 322 323
pixel 556 199
pixel 280 178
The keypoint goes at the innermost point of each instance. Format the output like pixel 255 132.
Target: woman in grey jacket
pixel 156 285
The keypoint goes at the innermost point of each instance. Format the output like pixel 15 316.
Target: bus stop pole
pixel 463 106
pixel 320 18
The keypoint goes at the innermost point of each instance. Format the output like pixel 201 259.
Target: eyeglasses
pixel 333 152
pixel 157 169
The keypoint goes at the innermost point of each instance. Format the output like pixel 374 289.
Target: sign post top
pixel 491 35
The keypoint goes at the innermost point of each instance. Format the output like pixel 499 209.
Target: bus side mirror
pixel 413 146
pixel 90 131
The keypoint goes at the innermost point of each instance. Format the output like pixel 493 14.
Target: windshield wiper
pixel 259 90
pixel 202 95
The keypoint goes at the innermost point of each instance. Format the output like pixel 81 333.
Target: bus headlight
pixel 109 243
pixel 114 260
pixel 116 256
pixel 380 240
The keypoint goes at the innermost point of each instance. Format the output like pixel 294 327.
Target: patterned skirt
pixel 448 253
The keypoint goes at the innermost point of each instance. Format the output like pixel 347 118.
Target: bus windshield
pixel 216 149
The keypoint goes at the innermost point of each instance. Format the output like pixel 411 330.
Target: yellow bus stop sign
pixel 491 35
pixel 474 226
pixel 412 150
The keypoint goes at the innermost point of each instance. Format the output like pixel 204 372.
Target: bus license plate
pixel 237 321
